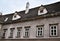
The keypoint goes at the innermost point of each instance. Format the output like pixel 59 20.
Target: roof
pixel 32 14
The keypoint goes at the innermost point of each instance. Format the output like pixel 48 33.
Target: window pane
pixel 41 11
pixel 18 34
pixel 40 34
pixel 11 33
pixel 51 27
pixel 54 33
pixel 51 31
pixel 41 28
pixel 26 32
pixel 38 28
pixel 54 27
pixel 40 31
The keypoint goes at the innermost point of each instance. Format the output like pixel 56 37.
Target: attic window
pixel 42 10
pixel 6 19
pixel 16 16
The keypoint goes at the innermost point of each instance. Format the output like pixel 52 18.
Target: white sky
pixel 10 6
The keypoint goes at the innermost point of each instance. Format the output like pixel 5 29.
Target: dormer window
pixel 42 10
pixel 16 16
pixel 6 19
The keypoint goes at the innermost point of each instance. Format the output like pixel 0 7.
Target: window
pixel 4 33
pixel 16 16
pixel 42 10
pixel 27 31
pixel 18 32
pixel 53 30
pixel 11 33
pixel 6 19
pixel 39 30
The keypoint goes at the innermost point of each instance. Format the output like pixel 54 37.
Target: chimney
pixel 27 8
pixel 0 13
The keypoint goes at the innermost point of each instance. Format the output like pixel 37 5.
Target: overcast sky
pixel 10 6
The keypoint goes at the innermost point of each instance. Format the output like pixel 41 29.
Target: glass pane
pixel 38 33
pixel 38 28
pixel 41 11
pixel 4 34
pixel 41 32
pixel 54 33
pixel 26 33
pixel 51 33
pixel 18 34
pixel 41 28
pixel 51 27
pixel 54 27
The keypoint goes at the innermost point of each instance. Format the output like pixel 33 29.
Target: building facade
pixel 37 24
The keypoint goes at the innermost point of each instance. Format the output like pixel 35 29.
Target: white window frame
pixel 16 16
pixel 27 31
pixel 53 30
pixel 40 31
pixel 41 13
pixel 4 32
pixel 18 32
pixel 11 32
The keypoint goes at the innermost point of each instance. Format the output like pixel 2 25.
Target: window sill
pixel 39 36
pixel 26 36
pixel 54 36
pixel 3 37
pixel 17 36
pixel 10 37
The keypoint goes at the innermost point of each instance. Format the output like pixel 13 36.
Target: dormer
pixel 6 19
pixel 16 16
pixel 27 8
pixel 42 10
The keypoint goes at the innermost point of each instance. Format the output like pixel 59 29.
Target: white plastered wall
pixel 33 25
